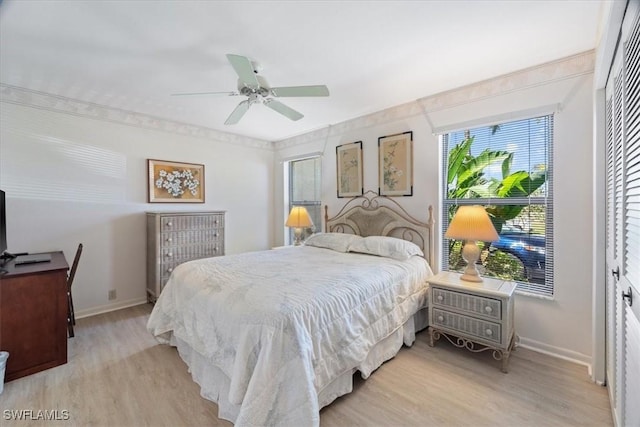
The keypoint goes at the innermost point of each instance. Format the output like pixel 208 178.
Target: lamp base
pixel 471 254
pixel 297 236
pixel 471 278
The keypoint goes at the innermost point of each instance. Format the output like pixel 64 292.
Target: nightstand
pixel 476 316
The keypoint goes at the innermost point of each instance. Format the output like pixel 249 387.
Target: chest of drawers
pixel 177 237
pixel 479 315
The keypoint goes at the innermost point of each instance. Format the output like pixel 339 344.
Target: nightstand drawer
pixel 472 304
pixel 487 331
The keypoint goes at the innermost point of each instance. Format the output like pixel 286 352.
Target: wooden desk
pixel 33 316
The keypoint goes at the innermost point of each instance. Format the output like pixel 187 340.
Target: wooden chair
pixel 71 315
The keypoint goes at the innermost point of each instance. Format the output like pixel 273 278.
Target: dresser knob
pixel 440 319
pixel 169 254
pixel 440 297
pixel 488 332
pixel 215 249
pixel 169 270
pixel 216 222
pixel 169 224
pixel 216 235
pixel 488 309
pixel 169 239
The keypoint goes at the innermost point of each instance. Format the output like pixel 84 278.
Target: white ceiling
pixel 371 54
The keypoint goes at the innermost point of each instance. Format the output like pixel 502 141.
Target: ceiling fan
pixel 257 90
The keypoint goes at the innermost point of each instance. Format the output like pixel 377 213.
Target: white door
pixel 614 218
pixel 623 224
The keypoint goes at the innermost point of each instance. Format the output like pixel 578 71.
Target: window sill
pixel 534 295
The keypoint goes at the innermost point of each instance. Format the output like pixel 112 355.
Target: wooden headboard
pixel 374 215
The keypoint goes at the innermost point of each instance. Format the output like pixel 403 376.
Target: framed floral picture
pixel 349 169
pixel 174 182
pixel 395 164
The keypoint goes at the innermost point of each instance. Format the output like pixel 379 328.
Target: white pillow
pixel 339 242
pixel 390 247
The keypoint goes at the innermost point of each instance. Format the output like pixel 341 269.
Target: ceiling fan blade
pixel 206 93
pixel 283 109
pixel 237 114
pixel 244 70
pixel 319 90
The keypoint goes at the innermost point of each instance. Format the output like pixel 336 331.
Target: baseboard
pixel 109 307
pixel 562 353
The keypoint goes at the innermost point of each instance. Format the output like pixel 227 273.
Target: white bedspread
pixel 282 324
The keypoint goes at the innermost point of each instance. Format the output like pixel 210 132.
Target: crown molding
pixel 60 104
pixel 562 69
pixel 565 68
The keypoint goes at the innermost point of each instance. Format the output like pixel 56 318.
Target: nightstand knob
pixel 488 332
pixel 169 239
pixel 169 270
pixel 216 235
pixel 169 224
pixel 169 254
pixel 440 297
pixel 488 309
pixel 440 319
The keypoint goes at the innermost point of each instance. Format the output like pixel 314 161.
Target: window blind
pixel 304 189
pixel 507 168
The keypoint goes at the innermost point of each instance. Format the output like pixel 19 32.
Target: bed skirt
pixel 214 384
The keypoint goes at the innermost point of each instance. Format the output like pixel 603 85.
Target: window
pixel 304 190
pixel 507 169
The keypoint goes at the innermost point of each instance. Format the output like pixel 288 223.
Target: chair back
pixel 74 266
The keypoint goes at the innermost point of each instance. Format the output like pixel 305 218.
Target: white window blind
pixel 508 169
pixel 304 190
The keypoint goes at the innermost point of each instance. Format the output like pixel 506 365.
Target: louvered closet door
pixel 630 274
pixel 615 375
pixel 623 224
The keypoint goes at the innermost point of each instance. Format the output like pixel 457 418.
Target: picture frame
pixel 349 169
pixel 395 164
pixel 175 182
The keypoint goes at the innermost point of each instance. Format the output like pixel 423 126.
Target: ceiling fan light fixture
pixel 257 90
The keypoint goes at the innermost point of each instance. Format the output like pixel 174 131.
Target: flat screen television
pixel 4 255
pixel 3 223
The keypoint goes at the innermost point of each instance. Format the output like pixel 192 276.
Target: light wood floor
pixel 118 375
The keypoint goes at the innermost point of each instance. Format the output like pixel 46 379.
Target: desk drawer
pixel 467 303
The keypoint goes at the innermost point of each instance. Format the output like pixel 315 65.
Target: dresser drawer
pixel 484 330
pixel 467 303
pixel 178 254
pixel 191 222
pixel 190 237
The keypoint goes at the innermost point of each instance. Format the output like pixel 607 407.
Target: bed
pixel 273 336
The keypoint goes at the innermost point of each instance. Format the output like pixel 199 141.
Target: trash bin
pixel 3 364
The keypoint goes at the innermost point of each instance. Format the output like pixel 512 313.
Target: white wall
pixel 71 178
pixel 561 326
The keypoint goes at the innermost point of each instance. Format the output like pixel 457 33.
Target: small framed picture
pixel 349 169
pixel 395 165
pixel 175 182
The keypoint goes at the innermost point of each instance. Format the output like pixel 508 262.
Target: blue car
pixel 527 247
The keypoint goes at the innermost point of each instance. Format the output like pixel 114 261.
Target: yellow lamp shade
pixel 299 218
pixel 472 223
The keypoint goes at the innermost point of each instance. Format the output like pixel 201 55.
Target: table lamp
pixel 298 219
pixel 471 224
